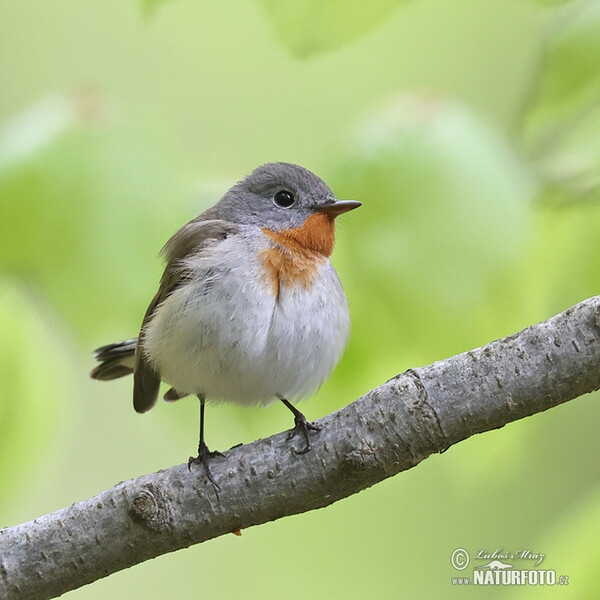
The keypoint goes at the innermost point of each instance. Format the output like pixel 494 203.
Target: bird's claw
pixel 202 459
pixel 301 425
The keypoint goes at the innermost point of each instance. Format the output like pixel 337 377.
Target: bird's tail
pixel 116 360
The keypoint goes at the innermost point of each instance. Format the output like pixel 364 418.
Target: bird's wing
pixel 190 239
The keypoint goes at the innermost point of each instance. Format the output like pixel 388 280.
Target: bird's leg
pixel 203 452
pixel 300 425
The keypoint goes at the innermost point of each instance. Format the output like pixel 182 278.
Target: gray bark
pixel 390 429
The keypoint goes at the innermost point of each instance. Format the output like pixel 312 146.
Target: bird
pixel 249 308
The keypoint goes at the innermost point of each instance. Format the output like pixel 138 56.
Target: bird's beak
pixel 337 207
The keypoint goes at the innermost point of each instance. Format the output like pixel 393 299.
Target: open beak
pixel 337 207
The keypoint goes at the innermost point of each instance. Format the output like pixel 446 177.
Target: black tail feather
pixel 116 360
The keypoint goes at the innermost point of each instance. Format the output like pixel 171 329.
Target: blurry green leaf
pixel 569 77
pixel 308 27
pixel 445 216
pixel 33 375
pixel 86 205
pixel 571 171
pixel 35 128
pixel 563 124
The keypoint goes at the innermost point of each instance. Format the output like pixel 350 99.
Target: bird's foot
pixel 302 426
pixel 202 459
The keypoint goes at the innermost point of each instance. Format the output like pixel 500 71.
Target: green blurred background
pixel 470 131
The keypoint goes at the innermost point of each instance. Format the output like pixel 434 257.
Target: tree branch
pixel 390 429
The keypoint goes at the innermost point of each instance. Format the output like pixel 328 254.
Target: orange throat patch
pixel 298 252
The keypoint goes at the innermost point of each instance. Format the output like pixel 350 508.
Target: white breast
pixel 227 336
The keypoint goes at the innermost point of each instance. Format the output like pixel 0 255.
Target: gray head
pixel 279 196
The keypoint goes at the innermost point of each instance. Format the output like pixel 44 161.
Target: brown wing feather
pixel 146 380
pixel 188 240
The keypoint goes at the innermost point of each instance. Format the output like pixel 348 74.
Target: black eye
pixel 284 199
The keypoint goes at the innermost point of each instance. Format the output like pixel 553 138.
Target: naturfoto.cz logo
pixel 500 568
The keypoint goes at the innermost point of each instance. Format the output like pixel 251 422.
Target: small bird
pixel 249 308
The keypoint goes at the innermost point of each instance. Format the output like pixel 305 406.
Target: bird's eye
pixel 284 198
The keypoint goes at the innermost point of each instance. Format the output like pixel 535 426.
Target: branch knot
pixel 152 507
